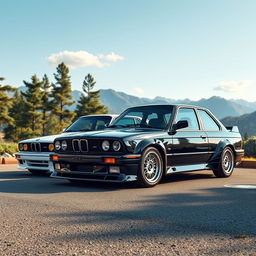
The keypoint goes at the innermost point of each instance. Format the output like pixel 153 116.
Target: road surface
pixel 187 214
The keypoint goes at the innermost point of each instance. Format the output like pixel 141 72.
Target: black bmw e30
pixel 157 141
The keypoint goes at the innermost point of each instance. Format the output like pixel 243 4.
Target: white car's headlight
pixel 105 145
pixel 20 146
pixel 116 145
pixel 57 145
pixel 64 145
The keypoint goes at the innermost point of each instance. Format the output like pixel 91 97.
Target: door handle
pixel 203 136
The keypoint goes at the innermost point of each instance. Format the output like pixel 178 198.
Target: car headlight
pixel 105 145
pixel 116 145
pixel 20 146
pixel 64 145
pixel 25 147
pixel 57 145
pixel 51 147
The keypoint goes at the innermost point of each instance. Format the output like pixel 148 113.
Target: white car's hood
pixel 47 139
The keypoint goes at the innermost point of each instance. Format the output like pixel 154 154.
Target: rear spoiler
pixel 232 128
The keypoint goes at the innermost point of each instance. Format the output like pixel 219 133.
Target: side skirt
pixel 187 168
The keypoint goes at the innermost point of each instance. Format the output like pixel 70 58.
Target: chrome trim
pixel 191 153
pixel 86 141
pixel 35 144
pixel 78 143
pixel 187 168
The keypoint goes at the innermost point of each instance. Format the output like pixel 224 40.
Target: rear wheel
pixel 151 168
pixel 226 164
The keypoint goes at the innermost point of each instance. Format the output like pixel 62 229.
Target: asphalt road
pixel 187 214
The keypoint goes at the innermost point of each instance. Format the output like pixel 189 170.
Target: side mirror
pixel 180 125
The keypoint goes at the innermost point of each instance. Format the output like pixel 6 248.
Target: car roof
pixel 173 105
pixel 111 115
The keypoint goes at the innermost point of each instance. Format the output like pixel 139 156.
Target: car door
pixel 190 144
pixel 212 129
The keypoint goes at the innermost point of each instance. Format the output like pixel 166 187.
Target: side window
pixel 189 115
pixel 208 122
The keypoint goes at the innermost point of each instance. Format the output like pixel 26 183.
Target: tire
pixel 151 168
pixel 226 164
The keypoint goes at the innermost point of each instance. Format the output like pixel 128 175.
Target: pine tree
pixel 46 106
pixel 18 129
pixel 33 101
pixel 89 103
pixel 5 103
pixel 62 97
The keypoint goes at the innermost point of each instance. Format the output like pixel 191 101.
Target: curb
pixel 247 164
pixel 8 160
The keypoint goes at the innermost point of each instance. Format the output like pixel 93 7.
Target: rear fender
pixel 215 159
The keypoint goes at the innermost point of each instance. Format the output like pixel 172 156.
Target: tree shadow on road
pixel 209 211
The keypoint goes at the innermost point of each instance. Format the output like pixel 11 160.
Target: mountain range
pixel 231 112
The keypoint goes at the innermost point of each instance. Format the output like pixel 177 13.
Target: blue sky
pixel 175 49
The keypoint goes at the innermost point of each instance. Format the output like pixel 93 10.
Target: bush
pixel 8 147
pixel 250 147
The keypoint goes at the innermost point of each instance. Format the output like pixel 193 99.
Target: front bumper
pixel 34 161
pixel 93 167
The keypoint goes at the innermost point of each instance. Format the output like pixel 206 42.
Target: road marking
pixel 240 186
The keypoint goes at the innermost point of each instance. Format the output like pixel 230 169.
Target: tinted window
pixel 189 115
pixel 208 122
pixel 146 117
pixel 89 123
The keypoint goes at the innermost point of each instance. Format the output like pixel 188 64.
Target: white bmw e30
pixel 34 153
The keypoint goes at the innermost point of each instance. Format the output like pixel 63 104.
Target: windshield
pixel 89 123
pixel 157 117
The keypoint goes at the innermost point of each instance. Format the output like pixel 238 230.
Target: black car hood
pixel 115 133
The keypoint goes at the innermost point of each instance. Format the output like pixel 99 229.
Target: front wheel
pixel 151 168
pixel 226 164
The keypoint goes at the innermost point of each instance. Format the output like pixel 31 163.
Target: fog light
pixel 57 166
pixel 114 169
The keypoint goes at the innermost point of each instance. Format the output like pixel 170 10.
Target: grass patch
pixel 8 147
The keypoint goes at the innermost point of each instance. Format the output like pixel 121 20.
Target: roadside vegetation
pixel 250 147
pixel 8 147
pixel 43 107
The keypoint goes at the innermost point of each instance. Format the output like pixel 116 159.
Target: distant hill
pixel 246 123
pixel 118 101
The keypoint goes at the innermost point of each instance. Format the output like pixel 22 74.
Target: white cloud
pixel 81 59
pixel 111 57
pixel 138 91
pixel 234 87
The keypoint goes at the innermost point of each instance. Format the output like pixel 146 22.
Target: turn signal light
pixel 109 160
pixel 55 158
pixel 25 147
pixel 51 147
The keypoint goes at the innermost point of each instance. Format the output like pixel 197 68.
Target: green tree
pixel 46 104
pixel 18 129
pixel 33 101
pixel 5 103
pixel 62 97
pixel 89 103
pixel 245 137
